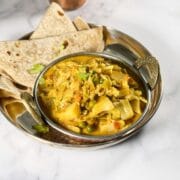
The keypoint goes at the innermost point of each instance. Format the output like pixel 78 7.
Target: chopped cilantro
pixel 82 74
pixel 41 128
pixel 42 81
pixel 36 68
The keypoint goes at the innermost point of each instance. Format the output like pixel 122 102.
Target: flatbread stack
pixel 55 37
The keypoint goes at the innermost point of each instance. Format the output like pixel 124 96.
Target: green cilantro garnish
pixel 41 128
pixel 36 68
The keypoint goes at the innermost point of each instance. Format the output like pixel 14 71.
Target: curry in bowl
pixel 91 95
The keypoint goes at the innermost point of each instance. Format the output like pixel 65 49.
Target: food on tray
pixel 91 95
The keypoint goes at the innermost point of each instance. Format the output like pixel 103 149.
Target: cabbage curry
pixel 91 95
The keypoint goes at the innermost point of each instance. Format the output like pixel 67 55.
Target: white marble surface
pixel 155 152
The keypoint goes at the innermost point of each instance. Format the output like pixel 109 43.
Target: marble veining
pixel 151 154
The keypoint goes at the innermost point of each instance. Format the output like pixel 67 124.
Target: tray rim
pixel 99 145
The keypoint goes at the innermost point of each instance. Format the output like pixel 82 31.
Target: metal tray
pixel 128 47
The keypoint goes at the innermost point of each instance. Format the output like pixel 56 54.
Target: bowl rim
pixel 93 138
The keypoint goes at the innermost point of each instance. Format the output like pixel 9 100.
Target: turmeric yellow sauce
pixel 91 95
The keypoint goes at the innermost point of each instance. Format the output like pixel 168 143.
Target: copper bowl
pixel 69 4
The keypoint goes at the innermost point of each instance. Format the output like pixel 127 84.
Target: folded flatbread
pixel 8 89
pixel 12 107
pixel 53 23
pixel 80 24
pixel 10 100
pixel 18 57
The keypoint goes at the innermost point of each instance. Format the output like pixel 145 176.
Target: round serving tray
pixel 128 46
